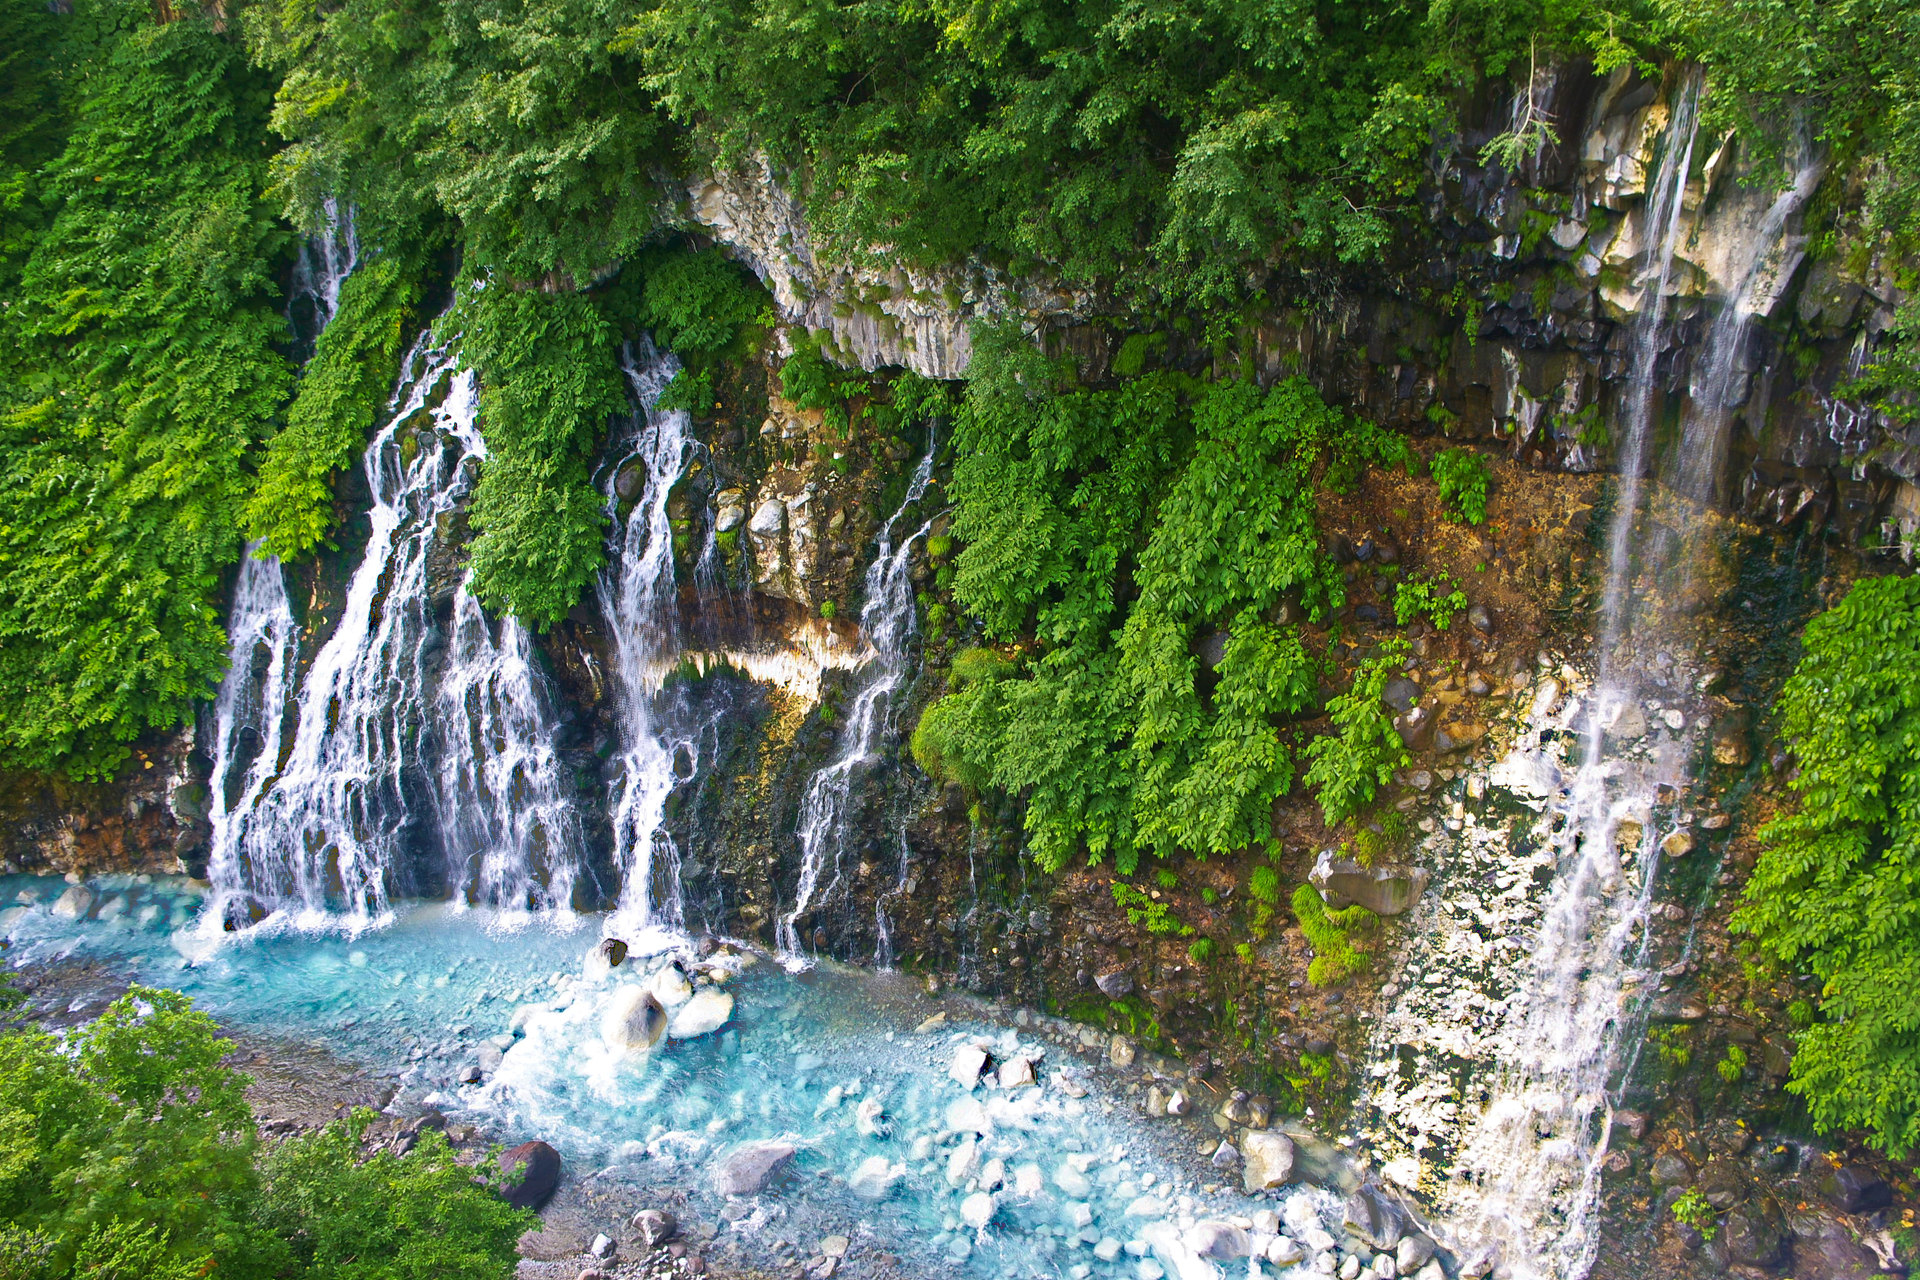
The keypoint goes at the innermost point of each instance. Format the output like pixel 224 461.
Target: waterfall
pixel 1496 1071
pixel 327 839
pixel 249 712
pixel 321 267
pixel 638 597
pixel 887 623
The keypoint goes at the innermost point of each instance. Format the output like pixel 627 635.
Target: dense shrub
pixel 1836 893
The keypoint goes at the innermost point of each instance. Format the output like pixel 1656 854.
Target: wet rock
pixel 875 1178
pixel 656 1226
pixel 1634 1123
pixel 964 1162
pixel 1283 1251
pixel 705 1013
pixel 1480 620
pixel 746 1170
pixel 1259 1111
pixel 1754 1233
pixel 1121 1052
pixel 977 1210
pixel 1269 1161
pixel 1179 1103
pixel 633 1021
pixel 1678 844
pixel 1413 1252
pixel 1722 1183
pixel 1732 744
pixel 602 1247
pixel 1373 1216
pixel 612 952
pixel 539 1173
pixel 969 1060
pixel 1114 983
pixel 1669 1170
pixel 1219 1240
pixel 670 987
pixel 1851 1189
pixel 1071 1181
pixel 1824 1249
pixel 1016 1073
pixel 1225 1156
pixel 236 914
pixel 1385 890
pixel 870 1119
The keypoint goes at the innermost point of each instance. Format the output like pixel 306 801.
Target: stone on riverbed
pixel 705 1013
pixel 875 1178
pixel 606 956
pixel 74 903
pixel 540 1165
pixel 670 987
pixel 746 1170
pixel 655 1226
pixel 969 1060
pixel 977 1210
pixel 1269 1160
pixel 633 1021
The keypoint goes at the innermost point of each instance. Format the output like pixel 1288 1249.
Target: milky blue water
pixel 828 1061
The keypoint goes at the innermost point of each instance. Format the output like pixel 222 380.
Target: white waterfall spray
pixel 327 840
pixel 249 713
pixel 1497 1069
pixel 887 623
pixel 638 597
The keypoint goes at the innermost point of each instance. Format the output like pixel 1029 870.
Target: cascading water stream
pixel 1496 1071
pixel 887 623
pixel 249 711
pixel 638 597
pixel 327 839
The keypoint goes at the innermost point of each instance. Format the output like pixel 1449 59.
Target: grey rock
pixel 746 1170
pixel 656 1226
pixel 1671 1171
pixel 1375 1217
pixel 602 1246
pixel 1385 889
pixel 1480 620
pixel 1114 983
pixel 538 1167
pixel 1851 1189
pixel 1268 1161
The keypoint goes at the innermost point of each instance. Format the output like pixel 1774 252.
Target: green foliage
pixel 1200 496
pixel 1165 878
pixel 1733 1065
pixel 549 383
pixel 421 1216
pixel 1167 153
pixel 1336 956
pixel 1693 1209
pixel 1462 476
pixel 1200 951
pixel 1245 952
pixel 1351 765
pixel 1836 891
pixel 137 373
pixel 810 381
pixel 1263 883
pixel 128 1152
pixel 1672 1044
pixel 138 1124
pixel 1158 917
pixel 341 392
pixel 697 304
pixel 1421 597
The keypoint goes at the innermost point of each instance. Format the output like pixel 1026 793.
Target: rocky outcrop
pixel 1385 890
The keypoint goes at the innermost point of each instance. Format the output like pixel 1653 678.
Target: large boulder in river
pixel 746 1170
pixel 1385 890
pixel 706 1012
pixel 1269 1160
pixel 633 1021
pixel 533 1170
pixel 74 903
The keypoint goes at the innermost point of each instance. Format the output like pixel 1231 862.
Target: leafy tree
pixel 421 1216
pixel 140 373
pixel 1836 892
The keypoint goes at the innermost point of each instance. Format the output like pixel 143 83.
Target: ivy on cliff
pixel 139 372
pixel 1836 892
pixel 1128 530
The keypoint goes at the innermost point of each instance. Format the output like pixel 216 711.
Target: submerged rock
pixel 539 1166
pixel 746 1170
pixel 875 1178
pixel 705 1013
pixel 633 1021
pixel 77 901
pixel 977 1210
pixel 969 1061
